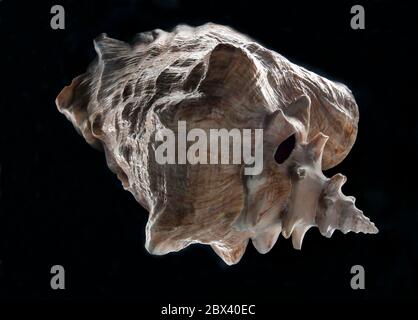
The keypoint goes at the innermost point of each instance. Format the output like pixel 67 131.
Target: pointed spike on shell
pixel 274 119
pixel 298 234
pixel 160 242
pixel 278 126
pixel 317 145
pixel 229 255
pixel 65 98
pixel 230 72
pixel 108 47
pixel 264 241
pixel 336 182
pixel 288 229
pixel 293 119
pixel 300 110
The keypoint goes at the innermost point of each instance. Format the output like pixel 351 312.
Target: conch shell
pixel 213 77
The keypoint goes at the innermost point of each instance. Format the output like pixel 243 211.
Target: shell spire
pixel 338 212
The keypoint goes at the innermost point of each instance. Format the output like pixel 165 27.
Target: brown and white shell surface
pixel 213 77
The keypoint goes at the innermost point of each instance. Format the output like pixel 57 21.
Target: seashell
pixel 212 77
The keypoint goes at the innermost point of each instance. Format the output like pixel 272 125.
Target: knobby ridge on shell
pixel 213 77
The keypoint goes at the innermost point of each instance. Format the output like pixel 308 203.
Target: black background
pixel 59 203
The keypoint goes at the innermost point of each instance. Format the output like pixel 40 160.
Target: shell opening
pixel 284 149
